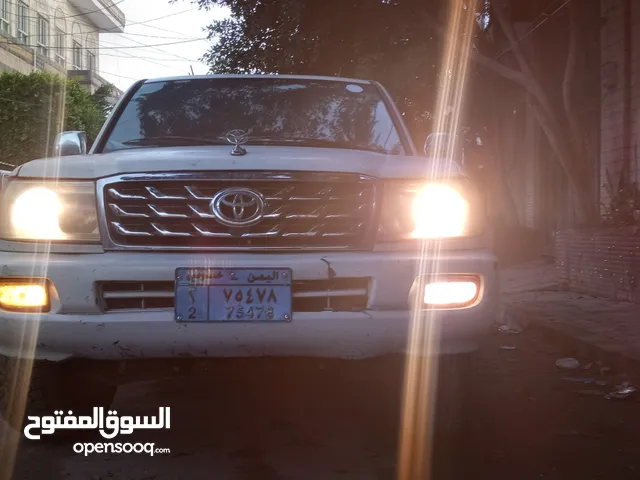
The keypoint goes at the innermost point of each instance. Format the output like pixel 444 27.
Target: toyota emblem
pixel 237 207
pixel 238 138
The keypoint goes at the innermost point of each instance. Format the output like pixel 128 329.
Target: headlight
pixel 56 211
pixel 432 210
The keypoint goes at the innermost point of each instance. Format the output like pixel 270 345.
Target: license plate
pixel 233 295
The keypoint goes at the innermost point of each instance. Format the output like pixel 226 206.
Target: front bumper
pixel 77 326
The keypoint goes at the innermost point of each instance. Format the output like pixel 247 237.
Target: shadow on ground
pixel 306 419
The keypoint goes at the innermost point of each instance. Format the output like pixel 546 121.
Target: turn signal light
pixel 24 295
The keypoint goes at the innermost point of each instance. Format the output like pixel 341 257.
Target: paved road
pixel 303 419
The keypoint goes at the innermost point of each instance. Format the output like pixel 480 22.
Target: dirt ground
pixel 309 419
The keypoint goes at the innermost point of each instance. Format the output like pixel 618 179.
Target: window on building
pixel 91 61
pixel 23 23
pixel 60 47
pixel 4 16
pixel 77 56
pixel 42 36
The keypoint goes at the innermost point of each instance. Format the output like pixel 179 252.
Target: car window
pixel 270 110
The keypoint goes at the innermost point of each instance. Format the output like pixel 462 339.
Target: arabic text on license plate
pixel 233 295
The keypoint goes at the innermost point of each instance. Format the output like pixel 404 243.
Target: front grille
pixel 336 294
pixel 326 211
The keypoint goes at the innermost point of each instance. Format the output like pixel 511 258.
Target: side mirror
pixel 4 174
pixel 70 143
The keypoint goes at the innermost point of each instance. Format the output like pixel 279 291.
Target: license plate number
pixel 233 295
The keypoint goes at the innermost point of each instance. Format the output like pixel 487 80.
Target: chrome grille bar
pixel 123 196
pixel 119 211
pixel 155 193
pixel 169 233
pixel 126 231
pixel 207 233
pixel 195 209
pixel 162 214
pixel 193 191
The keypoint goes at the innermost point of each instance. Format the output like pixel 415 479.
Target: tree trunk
pixel 545 113
pixel 561 143
pixel 569 75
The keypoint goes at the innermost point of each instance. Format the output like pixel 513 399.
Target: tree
pixel 400 43
pixel 299 37
pixel 551 93
pixel 36 107
pixel 102 98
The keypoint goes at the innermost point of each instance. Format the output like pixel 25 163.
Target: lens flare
pixel 439 211
pixel 35 215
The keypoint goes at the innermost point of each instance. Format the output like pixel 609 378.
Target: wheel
pixel 38 388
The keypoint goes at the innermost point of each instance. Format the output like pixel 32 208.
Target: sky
pixel 136 54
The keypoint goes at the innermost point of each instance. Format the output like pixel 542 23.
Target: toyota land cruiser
pixel 235 216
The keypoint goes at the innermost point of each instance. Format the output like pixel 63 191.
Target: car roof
pixel 293 77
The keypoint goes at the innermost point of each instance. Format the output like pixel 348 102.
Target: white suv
pixel 234 216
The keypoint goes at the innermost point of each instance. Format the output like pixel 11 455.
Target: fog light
pixel 24 296
pixel 451 293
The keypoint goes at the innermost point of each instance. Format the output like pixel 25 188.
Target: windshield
pixel 272 111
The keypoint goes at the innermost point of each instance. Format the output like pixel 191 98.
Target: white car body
pixel 78 325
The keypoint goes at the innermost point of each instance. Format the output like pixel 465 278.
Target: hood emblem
pixel 237 207
pixel 238 138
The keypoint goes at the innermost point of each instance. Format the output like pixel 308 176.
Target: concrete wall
pixel 14 57
pixel 614 52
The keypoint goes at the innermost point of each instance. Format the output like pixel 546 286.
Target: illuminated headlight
pixel 55 211
pixel 432 210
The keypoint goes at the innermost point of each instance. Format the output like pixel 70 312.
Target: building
pixel 60 36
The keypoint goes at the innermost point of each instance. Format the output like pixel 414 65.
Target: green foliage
pixel 395 42
pixel 101 97
pixel 391 41
pixel 34 108
pixel 387 41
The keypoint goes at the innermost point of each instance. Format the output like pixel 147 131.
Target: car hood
pixel 218 158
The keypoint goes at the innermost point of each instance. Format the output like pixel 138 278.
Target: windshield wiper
pixel 173 140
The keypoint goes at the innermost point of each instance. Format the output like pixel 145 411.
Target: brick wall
pixel 601 263
pixel 612 148
pixel 607 262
